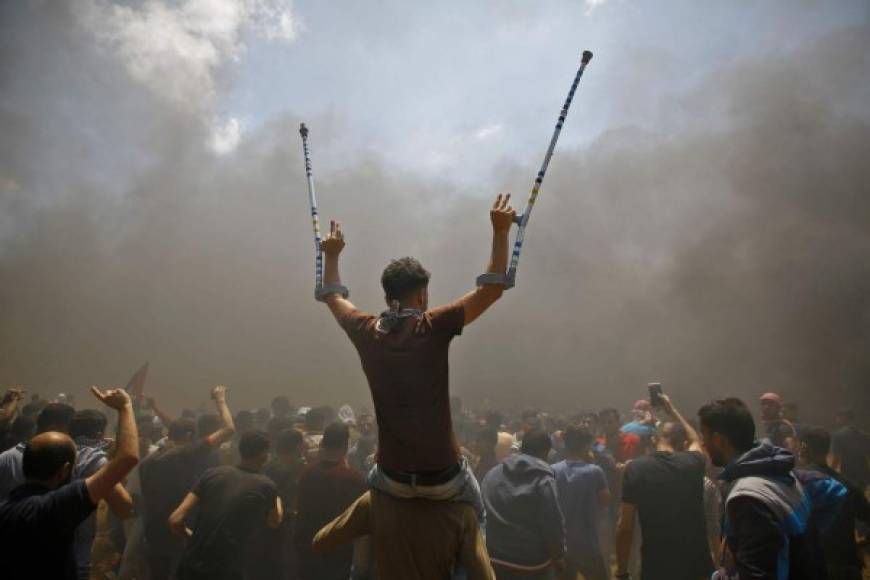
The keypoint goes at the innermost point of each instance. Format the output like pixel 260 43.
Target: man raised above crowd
pixel 404 356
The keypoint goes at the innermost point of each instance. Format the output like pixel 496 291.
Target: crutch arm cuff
pixel 321 294
pixel 492 279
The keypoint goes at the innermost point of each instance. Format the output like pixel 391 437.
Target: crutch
pixel 320 291
pixel 508 280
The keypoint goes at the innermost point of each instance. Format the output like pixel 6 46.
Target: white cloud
pixel 593 4
pixel 175 49
pixel 488 131
pixel 225 136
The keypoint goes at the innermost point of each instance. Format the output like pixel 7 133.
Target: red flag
pixel 136 386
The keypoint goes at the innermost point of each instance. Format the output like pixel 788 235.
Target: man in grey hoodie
pixel 525 530
pixel 766 508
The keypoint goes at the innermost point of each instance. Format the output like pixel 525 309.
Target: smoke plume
pixel 726 254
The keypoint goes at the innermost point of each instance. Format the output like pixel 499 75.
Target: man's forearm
pixel 128 437
pixel 330 270
pixel 227 423
pixel 498 259
pixel 691 434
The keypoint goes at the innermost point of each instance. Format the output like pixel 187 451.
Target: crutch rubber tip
pixel 587 56
pixel 303 130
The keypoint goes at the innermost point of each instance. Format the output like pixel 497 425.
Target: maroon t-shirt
pixel 408 377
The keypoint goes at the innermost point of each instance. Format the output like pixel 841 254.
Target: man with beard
pixel 766 510
pixel 38 520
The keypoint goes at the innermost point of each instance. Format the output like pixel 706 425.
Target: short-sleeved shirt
pixel 326 488
pixel 408 375
pixel 233 504
pixel 36 530
pixel 11 470
pixel 668 490
pixel 578 485
pixel 90 458
pixel 165 477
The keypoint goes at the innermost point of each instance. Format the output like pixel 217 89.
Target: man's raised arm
pixel 692 435
pixel 228 426
pixel 331 247
pixel 478 300
pixel 101 483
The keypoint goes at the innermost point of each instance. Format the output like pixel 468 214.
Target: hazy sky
pixel 705 222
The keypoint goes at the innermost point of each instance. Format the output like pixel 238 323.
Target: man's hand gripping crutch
pixel 507 280
pixel 321 291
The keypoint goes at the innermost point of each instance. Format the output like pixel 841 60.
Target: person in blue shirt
pixel 583 494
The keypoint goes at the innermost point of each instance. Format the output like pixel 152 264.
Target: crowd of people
pixel 281 493
pixel 421 488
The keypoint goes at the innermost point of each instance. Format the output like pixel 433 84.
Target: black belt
pixel 424 477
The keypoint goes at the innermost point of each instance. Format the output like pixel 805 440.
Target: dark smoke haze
pixel 728 254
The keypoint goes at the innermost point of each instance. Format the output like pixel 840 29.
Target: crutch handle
pixel 506 281
pixel 321 293
pixel 518 218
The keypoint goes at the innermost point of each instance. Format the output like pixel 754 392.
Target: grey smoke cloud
pixel 724 255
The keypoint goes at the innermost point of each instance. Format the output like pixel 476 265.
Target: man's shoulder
pixel 14 453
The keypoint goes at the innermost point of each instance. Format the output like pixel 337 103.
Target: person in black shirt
pixel 838 541
pixel 850 450
pixel 167 475
pixel 666 490
pixel 38 520
pixel 272 555
pixel 231 503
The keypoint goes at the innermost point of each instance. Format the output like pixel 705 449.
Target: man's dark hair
pixel 403 276
pixel 494 419
pixel 42 462
pixel 89 423
pixel 277 425
pixel 55 417
pixel 280 406
pixel 609 412
pixel 817 440
pixel 487 438
pixel 181 429
pixel 288 441
pixel 336 436
pixel 253 444
pixel 188 414
pixel 578 438
pixel 315 419
pixel 536 443
pixel 207 424
pixel 732 418
pixel 23 428
pixel 244 421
